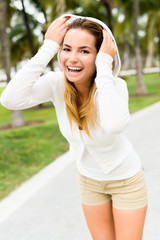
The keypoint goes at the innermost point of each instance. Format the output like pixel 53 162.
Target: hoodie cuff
pixel 46 52
pixel 104 64
pixel 50 46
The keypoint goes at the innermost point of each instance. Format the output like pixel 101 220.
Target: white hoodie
pixel 108 155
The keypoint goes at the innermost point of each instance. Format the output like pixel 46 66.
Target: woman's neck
pixel 82 95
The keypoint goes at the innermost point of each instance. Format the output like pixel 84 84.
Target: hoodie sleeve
pixel 27 88
pixel 112 96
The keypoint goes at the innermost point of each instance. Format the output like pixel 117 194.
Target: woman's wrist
pixel 49 47
pixel 51 44
pixel 104 61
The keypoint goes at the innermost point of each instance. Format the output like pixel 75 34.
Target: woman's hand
pixel 57 30
pixel 108 45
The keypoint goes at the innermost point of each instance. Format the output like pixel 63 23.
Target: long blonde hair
pixel 84 116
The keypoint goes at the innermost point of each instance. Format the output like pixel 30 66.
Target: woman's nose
pixel 73 57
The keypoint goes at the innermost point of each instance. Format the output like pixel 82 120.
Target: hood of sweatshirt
pixel 116 58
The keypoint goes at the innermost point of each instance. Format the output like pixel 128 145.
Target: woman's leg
pixel 129 223
pixel 99 219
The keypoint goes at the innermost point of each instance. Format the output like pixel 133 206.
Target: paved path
pixel 47 207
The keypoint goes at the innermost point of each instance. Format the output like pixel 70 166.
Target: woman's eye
pixel 66 49
pixel 84 51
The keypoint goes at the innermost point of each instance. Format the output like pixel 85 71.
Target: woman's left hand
pixel 108 45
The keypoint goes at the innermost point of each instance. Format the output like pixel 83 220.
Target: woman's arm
pixel 27 88
pixel 112 97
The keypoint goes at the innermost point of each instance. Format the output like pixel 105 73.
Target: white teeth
pixel 74 69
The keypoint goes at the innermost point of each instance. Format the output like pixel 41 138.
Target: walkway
pixel 47 207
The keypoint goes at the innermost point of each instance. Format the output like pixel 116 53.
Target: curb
pixel 27 189
pixel 145 111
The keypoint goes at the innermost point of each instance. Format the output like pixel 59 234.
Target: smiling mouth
pixel 74 69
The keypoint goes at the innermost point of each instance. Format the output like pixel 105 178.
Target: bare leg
pixel 129 223
pixel 99 219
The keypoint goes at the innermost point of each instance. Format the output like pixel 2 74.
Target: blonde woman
pixel 91 103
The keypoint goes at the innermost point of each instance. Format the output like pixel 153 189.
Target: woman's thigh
pixel 99 219
pixel 126 194
pixel 129 223
pixel 129 208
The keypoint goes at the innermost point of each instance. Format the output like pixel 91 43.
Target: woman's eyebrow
pixel 66 45
pixel 84 47
pixel 79 47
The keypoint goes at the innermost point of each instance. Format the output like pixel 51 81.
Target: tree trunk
pixel 108 4
pixel 6 56
pixel 17 119
pixel 4 39
pixel 159 49
pixel 150 56
pixel 126 57
pixel 141 89
pixel 29 33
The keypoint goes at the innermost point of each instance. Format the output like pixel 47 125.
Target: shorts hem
pixel 131 207
pixel 95 204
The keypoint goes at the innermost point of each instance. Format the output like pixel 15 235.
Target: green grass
pixel 24 151
pixel 44 114
pixel 152 82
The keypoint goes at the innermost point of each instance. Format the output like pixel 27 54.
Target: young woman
pixel 91 103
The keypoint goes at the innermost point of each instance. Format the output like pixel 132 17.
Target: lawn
pixel 152 82
pixel 24 151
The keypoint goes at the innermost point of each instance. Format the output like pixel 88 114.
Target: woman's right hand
pixel 57 30
pixel 108 45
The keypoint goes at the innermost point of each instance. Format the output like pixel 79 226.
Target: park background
pixel 30 139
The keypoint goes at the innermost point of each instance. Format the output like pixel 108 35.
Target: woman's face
pixel 78 56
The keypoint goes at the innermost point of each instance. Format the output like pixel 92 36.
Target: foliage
pixel 49 9
pixel 148 25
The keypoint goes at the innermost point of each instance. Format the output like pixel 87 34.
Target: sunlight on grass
pixel 27 150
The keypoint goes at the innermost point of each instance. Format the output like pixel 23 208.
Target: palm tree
pixel 123 33
pixel 29 32
pixel 151 8
pixel 4 39
pixel 19 45
pixel 108 4
pixel 141 89
pixel 152 31
pixel 17 118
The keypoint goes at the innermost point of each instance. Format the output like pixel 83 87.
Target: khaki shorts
pixel 129 193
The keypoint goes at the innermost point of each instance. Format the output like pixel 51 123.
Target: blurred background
pixel 23 23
